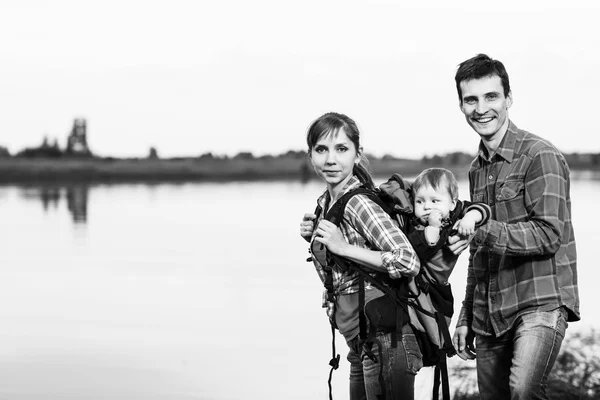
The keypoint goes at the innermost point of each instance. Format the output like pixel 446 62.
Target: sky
pixel 227 76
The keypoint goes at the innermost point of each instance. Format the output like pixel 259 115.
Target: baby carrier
pixel 427 305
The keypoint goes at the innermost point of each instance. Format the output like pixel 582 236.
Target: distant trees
pixel 44 150
pixel 578 160
pixel 76 144
pixel 455 158
pixel 244 155
pixel 77 147
pixel 295 154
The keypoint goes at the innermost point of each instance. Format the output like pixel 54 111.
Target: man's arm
pixel 538 231
pixel 465 318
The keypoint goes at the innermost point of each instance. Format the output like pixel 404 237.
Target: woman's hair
pixel 437 178
pixel 478 67
pixel 331 124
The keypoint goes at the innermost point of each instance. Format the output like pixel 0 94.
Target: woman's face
pixel 333 158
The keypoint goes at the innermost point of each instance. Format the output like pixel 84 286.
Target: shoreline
pixel 40 171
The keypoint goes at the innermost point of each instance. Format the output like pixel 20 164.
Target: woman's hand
pixel 307 226
pixel 331 236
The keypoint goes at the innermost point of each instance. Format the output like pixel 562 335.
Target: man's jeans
pixel 400 365
pixel 516 364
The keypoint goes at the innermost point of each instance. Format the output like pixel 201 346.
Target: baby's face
pixel 427 198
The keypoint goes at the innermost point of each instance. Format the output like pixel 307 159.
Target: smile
pixel 483 120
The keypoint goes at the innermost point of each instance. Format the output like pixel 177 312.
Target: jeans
pixel 516 365
pixel 400 365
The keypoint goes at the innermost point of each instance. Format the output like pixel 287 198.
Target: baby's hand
pixel 434 218
pixel 466 226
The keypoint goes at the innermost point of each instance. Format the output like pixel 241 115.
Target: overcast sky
pixel 190 77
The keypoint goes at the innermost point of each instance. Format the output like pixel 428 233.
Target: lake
pixel 183 291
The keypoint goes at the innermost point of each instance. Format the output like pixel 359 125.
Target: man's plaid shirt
pixel 524 258
pixel 366 225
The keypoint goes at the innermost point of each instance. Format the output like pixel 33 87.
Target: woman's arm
pixel 396 255
pixel 393 253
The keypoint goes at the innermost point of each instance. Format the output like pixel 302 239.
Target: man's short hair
pixel 481 66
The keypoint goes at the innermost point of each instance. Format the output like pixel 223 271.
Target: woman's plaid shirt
pixel 524 258
pixel 366 225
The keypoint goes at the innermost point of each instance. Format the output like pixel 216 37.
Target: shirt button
pixel 491 177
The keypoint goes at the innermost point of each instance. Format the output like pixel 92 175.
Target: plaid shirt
pixel 366 225
pixel 524 258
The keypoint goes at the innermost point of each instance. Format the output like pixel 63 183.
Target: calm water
pixel 172 292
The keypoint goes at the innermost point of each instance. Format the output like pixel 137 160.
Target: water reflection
pixel 51 197
pixel 77 201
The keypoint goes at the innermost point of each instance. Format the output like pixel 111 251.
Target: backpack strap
pixel 334 363
pixel 441 371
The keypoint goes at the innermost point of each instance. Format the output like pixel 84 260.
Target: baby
pixel 439 214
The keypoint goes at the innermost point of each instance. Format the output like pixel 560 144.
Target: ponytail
pixel 361 171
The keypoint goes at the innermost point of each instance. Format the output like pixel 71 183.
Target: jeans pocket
pixel 555 319
pixel 414 359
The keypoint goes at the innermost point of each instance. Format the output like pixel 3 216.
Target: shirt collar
pixel 352 184
pixel 506 148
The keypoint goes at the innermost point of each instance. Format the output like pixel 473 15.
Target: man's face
pixel 485 106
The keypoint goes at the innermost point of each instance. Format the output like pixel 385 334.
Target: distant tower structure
pixel 77 140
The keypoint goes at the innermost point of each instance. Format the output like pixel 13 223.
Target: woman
pixel 366 236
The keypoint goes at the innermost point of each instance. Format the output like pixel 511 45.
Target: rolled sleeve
pixel 383 234
pixel 400 263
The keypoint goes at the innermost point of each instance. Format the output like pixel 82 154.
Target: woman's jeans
pixel 400 365
pixel 516 365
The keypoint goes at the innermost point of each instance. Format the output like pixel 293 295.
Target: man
pixel 522 276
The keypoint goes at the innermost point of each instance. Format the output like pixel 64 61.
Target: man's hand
pixel 463 342
pixel 457 244
pixel 307 226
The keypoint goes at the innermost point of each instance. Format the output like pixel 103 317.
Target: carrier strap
pixel 362 319
pixel 334 362
pixel 380 396
pixel 441 369
pixel 443 327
